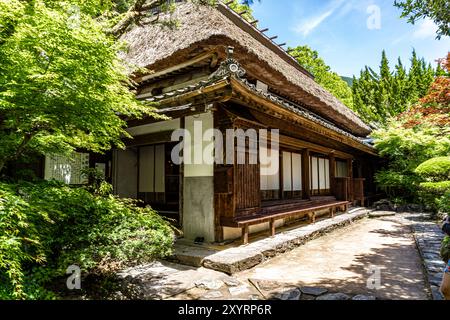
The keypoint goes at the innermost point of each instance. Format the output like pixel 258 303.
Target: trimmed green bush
pixel 436 196
pixel 436 187
pixel 47 226
pixel 436 169
pixel 443 203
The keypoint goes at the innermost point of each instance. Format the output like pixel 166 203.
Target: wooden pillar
pixel 181 183
pixel 306 180
pixel 350 168
pixel 350 180
pixel 332 174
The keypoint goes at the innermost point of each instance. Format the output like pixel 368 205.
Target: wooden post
pixel 245 231
pixel 306 180
pixel 332 174
pixel 181 183
pixel 350 180
pixel 272 227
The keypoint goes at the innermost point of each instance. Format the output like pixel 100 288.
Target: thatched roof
pixel 203 27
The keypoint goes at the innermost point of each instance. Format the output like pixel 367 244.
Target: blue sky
pixel 339 31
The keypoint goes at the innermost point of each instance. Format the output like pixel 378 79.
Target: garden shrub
pixel 47 226
pixel 436 169
pixel 436 196
pixel 443 204
pixel 436 187
pixel 435 193
pixel 406 149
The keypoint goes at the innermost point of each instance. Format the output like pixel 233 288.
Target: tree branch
pixel 133 15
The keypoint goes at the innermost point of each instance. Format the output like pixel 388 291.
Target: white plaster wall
pixel 197 145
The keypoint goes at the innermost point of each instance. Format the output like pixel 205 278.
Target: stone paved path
pixel 341 261
pixel 336 266
pixel 428 237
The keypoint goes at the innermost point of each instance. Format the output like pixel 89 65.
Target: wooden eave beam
pixel 221 87
pixel 286 141
pixel 188 63
pixel 294 142
pixel 283 113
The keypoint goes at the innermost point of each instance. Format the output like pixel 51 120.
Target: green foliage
pixel 440 187
pixel 20 240
pixel 241 6
pixel 436 10
pixel 62 85
pixel 48 226
pixel 323 74
pixel 406 149
pixel 379 96
pixel 443 203
pixel 436 169
pixel 445 249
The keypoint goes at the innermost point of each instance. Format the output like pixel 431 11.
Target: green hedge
pixel 436 169
pixel 46 227
pixel 436 195
pixel 436 187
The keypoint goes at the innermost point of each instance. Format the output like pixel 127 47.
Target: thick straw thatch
pixel 206 27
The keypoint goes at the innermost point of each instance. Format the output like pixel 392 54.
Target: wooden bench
pixel 310 209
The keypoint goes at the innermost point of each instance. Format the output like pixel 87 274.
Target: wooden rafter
pixel 178 67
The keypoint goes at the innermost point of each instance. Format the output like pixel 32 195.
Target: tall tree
pixel 436 10
pixel 379 96
pixel 323 74
pixel 62 85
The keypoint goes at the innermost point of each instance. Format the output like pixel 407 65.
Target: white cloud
pixel 426 29
pixel 310 24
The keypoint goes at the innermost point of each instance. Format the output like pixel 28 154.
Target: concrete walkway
pixel 239 258
pixel 344 261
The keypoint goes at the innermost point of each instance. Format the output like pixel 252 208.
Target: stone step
pixel 190 255
pixel 241 258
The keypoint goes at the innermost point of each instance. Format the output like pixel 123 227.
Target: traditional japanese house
pixel 221 70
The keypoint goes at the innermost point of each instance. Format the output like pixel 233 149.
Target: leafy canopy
pixel 417 145
pixel 323 74
pixel 378 96
pixel 436 10
pixel 62 85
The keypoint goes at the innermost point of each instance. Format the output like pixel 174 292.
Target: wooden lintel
pixel 153 138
